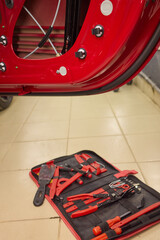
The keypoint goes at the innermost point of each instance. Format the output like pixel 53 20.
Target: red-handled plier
pixel 88 195
pixel 90 209
pixel 87 201
pixel 70 202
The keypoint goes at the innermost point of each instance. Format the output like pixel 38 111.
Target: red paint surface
pixel 127 33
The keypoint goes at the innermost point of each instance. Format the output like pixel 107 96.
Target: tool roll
pixel 95 199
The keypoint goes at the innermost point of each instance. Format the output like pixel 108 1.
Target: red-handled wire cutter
pixel 91 209
pixel 103 203
pixel 70 201
pixel 88 201
pixel 87 195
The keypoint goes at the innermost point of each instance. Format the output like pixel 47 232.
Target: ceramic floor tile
pixel 124 90
pixel 136 109
pixel 18 111
pixel 112 148
pixel 8 132
pixel 151 174
pixel 157 97
pixel 65 233
pixel 43 131
pixel 93 127
pixel 140 124
pixel 21 103
pixel 53 102
pixel 10 116
pixel 135 238
pixel 90 110
pixel 125 96
pixel 49 114
pixel 150 234
pixel 131 166
pixel 145 147
pixel 44 137
pixel 29 154
pixel 25 100
pixel 3 149
pixel 17 194
pixel 30 230
pixel 95 100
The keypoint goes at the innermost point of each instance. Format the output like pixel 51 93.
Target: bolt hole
pixel 9 3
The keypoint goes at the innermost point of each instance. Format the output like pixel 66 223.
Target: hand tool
pixel 84 167
pixel 70 203
pixel 91 209
pixel 59 185
pixel 109 223
pixel 79 180
pixel 87 195
pixel 96 196
pixel 99 168
pixel 45 175
pixel 136 215
pixel 90 195
pixel 86 202
pixel 128 225
pixel 125 173
pixel 67 182
pixel 54 183
pixel 71 169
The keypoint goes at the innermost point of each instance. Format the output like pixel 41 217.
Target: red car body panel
pixel 131 37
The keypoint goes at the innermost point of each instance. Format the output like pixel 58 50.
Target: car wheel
pixel 5 101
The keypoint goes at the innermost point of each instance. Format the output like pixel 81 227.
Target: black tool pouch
pixel 112 193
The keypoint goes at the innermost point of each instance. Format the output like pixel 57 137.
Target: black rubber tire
pixel 130 83
pixel 5 101
pixel 116 90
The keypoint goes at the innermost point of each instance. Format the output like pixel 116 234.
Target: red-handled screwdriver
pixel 109 223
pixel 130 222
pixel 104 236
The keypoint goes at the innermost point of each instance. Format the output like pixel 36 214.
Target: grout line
pixel 69 125
pixel 28 220
pixel 15 170
pixel 82 137
pixel 59 229
pixel 114 162
pixel 38 141
pixel 127 142
pixel 22 125
pixel 31 110
pixel 12 142
pixel 56 139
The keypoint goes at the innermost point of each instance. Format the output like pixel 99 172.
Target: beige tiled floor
pixel 122 127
